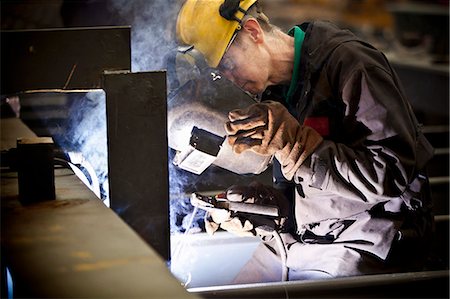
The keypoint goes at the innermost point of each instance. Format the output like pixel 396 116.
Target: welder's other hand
pixel 248 224
pixel 269 129
pixel 227 220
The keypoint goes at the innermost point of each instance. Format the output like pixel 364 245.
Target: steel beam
pixel 62 58
pixel 136 109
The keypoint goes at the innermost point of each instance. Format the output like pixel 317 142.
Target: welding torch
pixel 220 201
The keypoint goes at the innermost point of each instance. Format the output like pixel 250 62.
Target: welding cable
pixel 61 162
pixel 80 170
pixel 95 183
pixel 76 158
pixel 283 255
pixel 76 168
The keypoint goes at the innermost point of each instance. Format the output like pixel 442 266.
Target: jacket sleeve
pixel 381 162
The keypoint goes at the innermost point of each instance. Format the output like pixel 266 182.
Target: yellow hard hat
pixel 200 24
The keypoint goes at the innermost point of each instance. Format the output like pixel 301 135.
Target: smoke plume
pixel 153 41
pixel 152 30
pixel 85 137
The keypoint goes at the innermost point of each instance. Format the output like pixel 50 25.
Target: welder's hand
pixel 268 128
pixel 243 224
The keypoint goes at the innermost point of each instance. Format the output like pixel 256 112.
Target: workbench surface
pixel 74 246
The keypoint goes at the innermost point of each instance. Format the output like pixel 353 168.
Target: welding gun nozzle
pixel 220 202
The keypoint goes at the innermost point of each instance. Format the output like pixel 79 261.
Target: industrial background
pixel 106 80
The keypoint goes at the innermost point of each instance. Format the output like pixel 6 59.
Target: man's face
pixel 244 64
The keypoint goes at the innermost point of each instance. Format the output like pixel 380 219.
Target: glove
pixel 243 224
pixel 268 128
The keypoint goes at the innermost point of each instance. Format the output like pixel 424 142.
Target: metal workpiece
pixel 62 58
pixel 204 103
pixel 137 154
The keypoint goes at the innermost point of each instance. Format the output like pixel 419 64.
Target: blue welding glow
pixel 9 284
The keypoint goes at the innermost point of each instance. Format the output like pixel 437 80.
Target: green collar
pixel 299 36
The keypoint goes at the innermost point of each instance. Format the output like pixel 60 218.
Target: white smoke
pixel 85 139
pixel 91 132
pixel 152 30
pixel 153 40
pixel 181 210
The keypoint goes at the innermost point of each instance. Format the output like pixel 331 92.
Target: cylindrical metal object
pixel 36 174
pixel 252 208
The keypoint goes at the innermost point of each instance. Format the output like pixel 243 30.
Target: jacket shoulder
pixel 322 38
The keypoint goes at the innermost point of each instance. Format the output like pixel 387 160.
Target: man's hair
pixel 256 12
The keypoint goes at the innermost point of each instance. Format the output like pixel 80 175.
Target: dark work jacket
pixel 369 169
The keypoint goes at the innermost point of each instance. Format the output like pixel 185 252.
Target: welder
pixel 349 155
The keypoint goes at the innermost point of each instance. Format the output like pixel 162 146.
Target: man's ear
pixel 252 27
